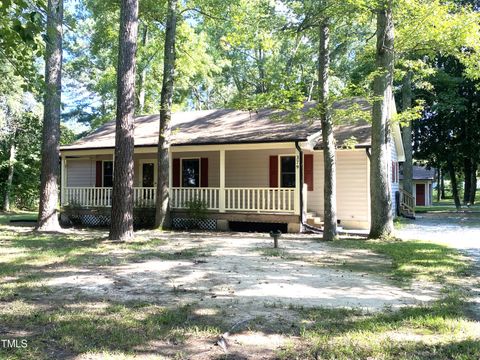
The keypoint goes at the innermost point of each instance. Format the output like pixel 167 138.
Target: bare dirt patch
pixel 227 278
pixel 231 271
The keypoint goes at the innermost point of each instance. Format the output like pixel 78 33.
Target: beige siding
pixel 250 168
pixel 81 172
pixel 213 164
pixel 352 186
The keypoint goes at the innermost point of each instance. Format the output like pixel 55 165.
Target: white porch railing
pixel 260 199
pixel 102 196
pixel 181 197
pixel 278 200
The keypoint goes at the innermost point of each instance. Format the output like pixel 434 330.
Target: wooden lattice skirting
pixel 188 224
pixel 100 217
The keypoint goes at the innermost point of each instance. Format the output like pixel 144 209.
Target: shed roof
pixel 230 127
pixel 422 173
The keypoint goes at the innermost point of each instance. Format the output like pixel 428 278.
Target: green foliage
pixel 20 127
pixel 196 209
pixel 20 40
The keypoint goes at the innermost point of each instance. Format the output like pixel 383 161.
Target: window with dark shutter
pixel 204 172
pixel 190 172
pixel 107 173
pixel 273 171
pixel 287 172
pixel 176 173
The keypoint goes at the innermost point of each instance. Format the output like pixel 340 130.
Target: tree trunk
pixel 467 172
pixel 453 181
pixel 261 86
pixel 329 188
pixel 162 215
pixel 381 199
pixel 11 168
pixel 143 76
pixel 473 183
pixel 439 176
pixel 407 134
pixel 48 208
pixel 121 227
pixel 442 186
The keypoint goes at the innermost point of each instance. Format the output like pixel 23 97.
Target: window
pixel 190 172
pixel 287 171
pixel 108 173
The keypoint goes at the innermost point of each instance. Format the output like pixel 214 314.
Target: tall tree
pixel 48 211
pixel 330 187
pixel 381 202
pixel 121 227
pixel 162 218
pixel 407 134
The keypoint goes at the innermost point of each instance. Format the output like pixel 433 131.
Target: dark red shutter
pixel 176 173
pixel 204 172
pixel 273 171
pixel 98 174
pixel 308 171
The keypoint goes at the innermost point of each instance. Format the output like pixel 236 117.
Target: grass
pixel 438 330
pixel 414 260
pixel 18 216
pixel 100 328
pixel 66 327
pixel 57 328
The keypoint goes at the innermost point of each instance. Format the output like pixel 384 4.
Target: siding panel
pixel 81 172
pixel 352 186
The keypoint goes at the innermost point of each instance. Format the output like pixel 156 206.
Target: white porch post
pixel 296 202
pixel 221 197
pixel 63 180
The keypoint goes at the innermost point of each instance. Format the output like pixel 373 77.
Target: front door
pixel 148 175
pixel 420 195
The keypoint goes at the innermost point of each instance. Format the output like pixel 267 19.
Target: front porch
pixel 233 179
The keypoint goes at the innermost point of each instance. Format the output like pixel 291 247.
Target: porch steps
pixel 314 220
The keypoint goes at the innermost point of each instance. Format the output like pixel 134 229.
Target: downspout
pixel 300 153
pixel 303 224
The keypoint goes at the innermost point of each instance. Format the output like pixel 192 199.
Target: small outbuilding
pixel 423 179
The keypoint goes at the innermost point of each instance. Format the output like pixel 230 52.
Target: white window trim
pixel 280 170
pixel 140 171
pixel 199 170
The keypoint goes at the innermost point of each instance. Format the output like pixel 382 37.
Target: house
pixel 247 167
pixel 422 185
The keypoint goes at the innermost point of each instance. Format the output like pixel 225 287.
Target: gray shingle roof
pixel 227 127
pixel 422 173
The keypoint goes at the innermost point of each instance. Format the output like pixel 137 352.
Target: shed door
pixel 420 194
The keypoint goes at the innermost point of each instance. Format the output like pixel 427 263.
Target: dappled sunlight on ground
pixel 231 271
pixel 169 295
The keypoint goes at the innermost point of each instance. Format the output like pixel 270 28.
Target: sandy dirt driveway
pixel 235 278
pixel 241 272
pixel 460 230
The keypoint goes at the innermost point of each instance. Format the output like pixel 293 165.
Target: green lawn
pixel 58 328
pixel 439 330
pixel 18 216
